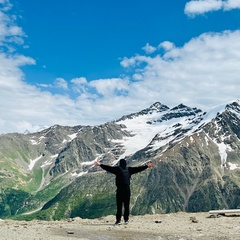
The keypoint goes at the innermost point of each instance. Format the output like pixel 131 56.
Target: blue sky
pixel 86 62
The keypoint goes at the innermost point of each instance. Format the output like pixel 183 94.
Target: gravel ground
pixel 174 226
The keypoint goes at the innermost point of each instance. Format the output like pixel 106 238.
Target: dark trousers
pixel 123 198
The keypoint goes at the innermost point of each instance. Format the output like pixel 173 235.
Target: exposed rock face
pixel 196 157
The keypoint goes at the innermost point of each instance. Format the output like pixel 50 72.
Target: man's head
pixel 122 163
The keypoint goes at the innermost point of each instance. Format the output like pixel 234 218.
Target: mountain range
pixel 50 174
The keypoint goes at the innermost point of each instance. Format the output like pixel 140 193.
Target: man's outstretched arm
pixel 106 167
pixel 133 170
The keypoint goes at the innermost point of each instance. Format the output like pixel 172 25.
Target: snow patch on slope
pixel 49 161
pixel 142 133
pixel 33 162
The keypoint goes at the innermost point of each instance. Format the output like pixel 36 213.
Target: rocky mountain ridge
pixel 196 156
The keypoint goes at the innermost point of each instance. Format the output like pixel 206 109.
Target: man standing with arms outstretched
pixel 123 176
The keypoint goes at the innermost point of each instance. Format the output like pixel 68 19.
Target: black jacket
pixel 123 175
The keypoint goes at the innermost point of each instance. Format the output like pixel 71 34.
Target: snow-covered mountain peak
pixel 157 107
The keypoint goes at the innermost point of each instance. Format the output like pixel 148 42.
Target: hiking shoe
pixel 118 223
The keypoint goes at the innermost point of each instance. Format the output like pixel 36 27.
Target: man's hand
pixel 150 165
pixel 97 163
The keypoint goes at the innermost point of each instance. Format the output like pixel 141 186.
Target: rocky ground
pixel 174 226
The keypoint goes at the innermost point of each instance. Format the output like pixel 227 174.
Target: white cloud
pixel 9 31
pixel 127 62
pixel 137 77
pixel 10 74
pixel 58 83
pixel 79 81
pixel 166 45
pixel 110 87
pixel 133 61
pixel 61 83
pixel 80 85
pixel 231 4
pixel 149 49
pixel 196 7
